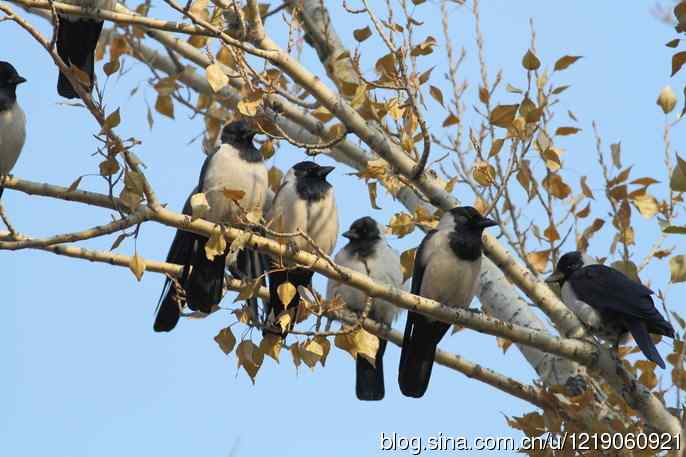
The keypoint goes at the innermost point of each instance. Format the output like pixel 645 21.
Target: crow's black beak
pixel 556 276
pixel 19 80
pixel 350 235
pixel 323 172
pixel 485 223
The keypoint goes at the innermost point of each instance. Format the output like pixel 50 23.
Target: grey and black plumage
pixel 12 120
pixel 236 165
pixel 304 202
pixel 368 252
pixel 446 269
pixel 77 38
pixel 622 305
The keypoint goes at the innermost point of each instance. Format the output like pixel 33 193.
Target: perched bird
pixel 446 269
pixel 305 202
pixel 77 37
pixel 621 304
pixel 12 120
pixel 368 253
pixel 236 166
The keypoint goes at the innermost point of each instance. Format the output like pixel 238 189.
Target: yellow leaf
pixel 372 188
pixel 530 61
pixel 284 321
pixel 401 224
pixel 271 346
pixel 166 86
pixel 249 105
pixel 484 95
pixel 539 260
pixel 567 131
pixel 346 343
pixel 267 149
pixel 366 345
pixel 564 62
pixel 216 245
pixel 407 263
pixel 311 352
pixel 233 194
pixel 216 77
pixel 496 147
pixel 503 343
pixel 551 233
pixel 552 159
pixel 484 173
pixel 666 100
pixel 436 94
pixel 326 347
pixel 250 358
pixel 646 204
pixel 137 266
pixel 295 353
pixel 112 120
pixel 244 315
pixel 225 340
pixel 286 291
pixel 164 105
pixel 109 167
pixel 322 114
pixel 554 184
pixel 199 206
pixel 274 176
pixel 677 266
pixel 585 189
pixel 678 61
pixel 503 115
pixel 362 34
pixel 678 179
pixel 450 120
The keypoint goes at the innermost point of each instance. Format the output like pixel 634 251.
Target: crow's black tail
pixel 645 343
pixel 205 286
pixel 169 310
pixel 251 265
pixel 369 382
pixel 297 277
pixel 180 253
pixel 76 42
pixel 417 356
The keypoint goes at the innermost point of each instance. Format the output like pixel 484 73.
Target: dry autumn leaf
pixel 250 358
pixel 503 115
pixel 225 340
pixel 199 206
pixel 564 62
pixel 137 266
pixel 484 173
pixel 286 291
pixel 677 268
pixel 530 61
pixel 216 245
pixel 539 260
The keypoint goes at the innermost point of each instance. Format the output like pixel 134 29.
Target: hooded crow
pixel 12 120
pixel 368 252
pixel 446 269
pixel 77 38
pixel 237 166
pixel 305 202
pixel 621 305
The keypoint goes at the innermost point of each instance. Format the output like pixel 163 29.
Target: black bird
pixel 446 269
pixel 12 120
pixel 237 166
pixel 368 253
pixel 304 202
pixel 77 38
pixel 622 305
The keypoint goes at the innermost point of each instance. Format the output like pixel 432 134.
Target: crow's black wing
pixel 607 289
pixel 419 267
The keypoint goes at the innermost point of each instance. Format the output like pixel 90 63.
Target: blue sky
pixel 85 374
